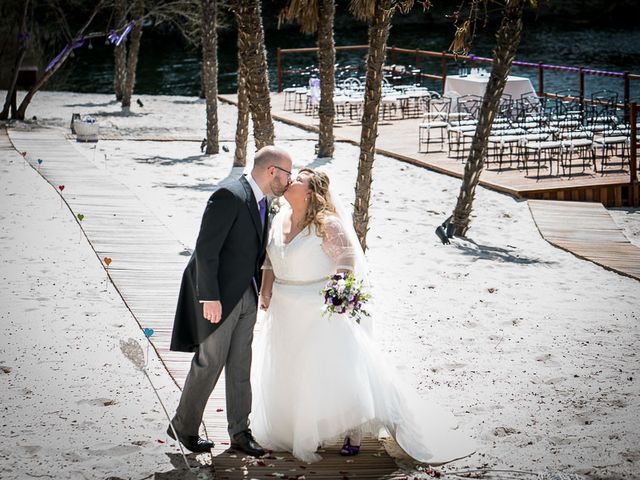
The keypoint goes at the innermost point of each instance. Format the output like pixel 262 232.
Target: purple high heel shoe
pixel 349 450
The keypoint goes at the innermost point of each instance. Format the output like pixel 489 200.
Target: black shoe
pixel 245 442
pixel 192 442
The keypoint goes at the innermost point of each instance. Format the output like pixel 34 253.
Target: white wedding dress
pixel 316 377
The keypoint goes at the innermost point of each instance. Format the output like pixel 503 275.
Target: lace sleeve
pixel 336 244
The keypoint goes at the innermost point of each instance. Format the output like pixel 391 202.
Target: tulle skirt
pixel 316 377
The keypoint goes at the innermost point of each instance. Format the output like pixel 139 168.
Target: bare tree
pixel 507 41
pixel 76 41
pixel 20 53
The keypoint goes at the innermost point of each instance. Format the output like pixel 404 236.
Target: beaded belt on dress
pixel 299 282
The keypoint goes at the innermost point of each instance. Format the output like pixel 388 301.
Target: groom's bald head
pixel 271 155
pixel 272 170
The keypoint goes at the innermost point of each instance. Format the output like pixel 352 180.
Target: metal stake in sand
pixel 61 188
pixel 107 262
pixel 24 155
pixel 80 219
pixel 133 351
pixel 39 162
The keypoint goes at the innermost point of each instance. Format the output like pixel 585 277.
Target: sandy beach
pixel 533 349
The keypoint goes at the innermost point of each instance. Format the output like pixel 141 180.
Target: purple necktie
pixel 263 210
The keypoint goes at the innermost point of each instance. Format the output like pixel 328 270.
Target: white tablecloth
pixel 476 85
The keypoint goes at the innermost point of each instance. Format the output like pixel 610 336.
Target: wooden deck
pixel 399 139
pixel 146 268
pixel 588 231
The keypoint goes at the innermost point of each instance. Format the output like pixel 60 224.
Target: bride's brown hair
pixel 320 204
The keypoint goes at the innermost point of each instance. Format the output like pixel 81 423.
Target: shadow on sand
pixel 168 161
pixel 92 104
pixel 500 254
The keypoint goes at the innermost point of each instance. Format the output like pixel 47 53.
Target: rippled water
pixel 168 67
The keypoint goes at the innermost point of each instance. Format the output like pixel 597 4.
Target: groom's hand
pixel 212 311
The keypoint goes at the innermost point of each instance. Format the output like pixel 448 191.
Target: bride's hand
pixel 265 300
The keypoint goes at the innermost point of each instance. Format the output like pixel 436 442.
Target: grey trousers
pixel 230 347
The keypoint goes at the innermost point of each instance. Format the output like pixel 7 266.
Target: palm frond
pixel 303 12
pixel 363 9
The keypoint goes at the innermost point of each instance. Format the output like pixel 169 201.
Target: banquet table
pixel 455 85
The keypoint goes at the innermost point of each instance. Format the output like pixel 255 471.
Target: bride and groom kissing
pixel 314 379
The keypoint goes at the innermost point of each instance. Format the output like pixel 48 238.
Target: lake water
pixel 168 67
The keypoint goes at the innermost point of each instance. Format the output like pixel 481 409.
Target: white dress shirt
pixel 256 190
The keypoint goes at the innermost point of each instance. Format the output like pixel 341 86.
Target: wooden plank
pixel 588 231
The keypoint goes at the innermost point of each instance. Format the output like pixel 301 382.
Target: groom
pixel 216 308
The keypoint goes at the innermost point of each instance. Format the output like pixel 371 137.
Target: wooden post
pixel 444 69
pixel 626 97
pixel 633 156
pixel 540 80
pixel 417 58
pixel 279 68
pixel 393 55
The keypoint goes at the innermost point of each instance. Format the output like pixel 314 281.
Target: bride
pixel 318 378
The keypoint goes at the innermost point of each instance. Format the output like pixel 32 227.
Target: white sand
pixel 532 348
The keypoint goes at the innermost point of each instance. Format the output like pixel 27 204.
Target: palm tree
pixel 210 71
pixel 507 41
pixel 378 14
pixel 317 16
pixel 254 56
pixel 120 52
pixel 242 125
pixel 134 51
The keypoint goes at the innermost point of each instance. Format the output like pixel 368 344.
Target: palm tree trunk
pixel 242 125
pixel 120 53
pixel 22 50
pixel 507 41
pixel 134 50
pixel 327 61
pixel 210 71
pixel 251 44
pixel 378 35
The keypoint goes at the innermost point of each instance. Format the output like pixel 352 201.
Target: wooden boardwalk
pixel 588 231
pixel 399 139
pixel 146 268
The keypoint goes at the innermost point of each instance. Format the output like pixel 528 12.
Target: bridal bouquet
pixel 343 293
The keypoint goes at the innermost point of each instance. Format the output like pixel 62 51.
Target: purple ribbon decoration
pixel 113 36
pixel 67 48
pixel 116 39
pixel 560 68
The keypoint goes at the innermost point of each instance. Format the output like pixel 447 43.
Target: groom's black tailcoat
pixel 229 253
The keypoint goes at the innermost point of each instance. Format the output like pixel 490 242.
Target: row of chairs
pixel 407 101
pixel 529 135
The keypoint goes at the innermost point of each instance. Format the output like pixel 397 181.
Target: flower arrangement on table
pixel 344 294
